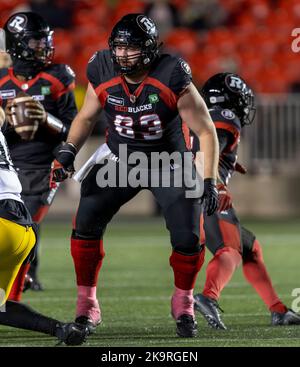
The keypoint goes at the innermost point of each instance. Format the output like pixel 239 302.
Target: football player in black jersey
pixel 231 106
pixel 29 41
pixel 17 242
pixel 141 93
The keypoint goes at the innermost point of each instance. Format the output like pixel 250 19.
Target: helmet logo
pixel 185 66
pixel 17 24
pixel 70 71
pixel 93 57
pixel 235 83
pixel 145 23
pixel 229 115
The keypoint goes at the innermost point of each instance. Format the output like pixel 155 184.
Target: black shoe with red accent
pixel 287 318
pixel 209 308
pixel 32 283
pixel 186 326
pixel 27 283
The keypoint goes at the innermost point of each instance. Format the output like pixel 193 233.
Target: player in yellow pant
pixel 17 241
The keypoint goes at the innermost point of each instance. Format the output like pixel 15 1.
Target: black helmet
pixel 139 31
pixel 229 90
pixel 22 30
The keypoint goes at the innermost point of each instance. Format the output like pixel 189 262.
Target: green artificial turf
pixel 136 282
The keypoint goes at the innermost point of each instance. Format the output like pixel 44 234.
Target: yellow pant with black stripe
pixel 16 242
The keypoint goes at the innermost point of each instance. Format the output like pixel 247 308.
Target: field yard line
pixel 136 298
pixel 216 339
pixel 271 240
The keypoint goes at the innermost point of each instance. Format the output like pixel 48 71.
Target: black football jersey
pixel 53 87
pixel 144 119
pixel 228 127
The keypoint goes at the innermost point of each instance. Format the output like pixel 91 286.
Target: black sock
pixel 21 316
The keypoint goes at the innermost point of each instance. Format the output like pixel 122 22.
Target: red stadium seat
pixel 64 46
pixel 7 7
pixel 180 4
pixel 259 9
pixel 124 7
pixel 204 63
pixel 223 39
pixel 246 21
pixel 288 62
pixel 79 65
pixel 250 59
pixel 273 79
pixel 264 42
pixel 256 41
pixel 10 5
pixel 231 5
pixel 182 41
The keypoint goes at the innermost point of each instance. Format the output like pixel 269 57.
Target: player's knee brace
pixel 185 242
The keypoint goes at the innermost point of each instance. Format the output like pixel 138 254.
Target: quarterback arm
pixel 82 126
pixel 59 125
pixel 194 112
pixel 85 120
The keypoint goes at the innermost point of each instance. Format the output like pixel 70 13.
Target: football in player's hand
pixel 19 116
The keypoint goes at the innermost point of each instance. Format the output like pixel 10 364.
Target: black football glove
pixel 210 196
pixel 63 166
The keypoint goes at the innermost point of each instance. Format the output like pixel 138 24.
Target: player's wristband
pixel 65 154
pixel 54 124
pixel 210 181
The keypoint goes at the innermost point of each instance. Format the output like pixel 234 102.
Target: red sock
pixel 186 268
pixel 220 270
pixel 17 287
pixel 256 274
pixel 87 256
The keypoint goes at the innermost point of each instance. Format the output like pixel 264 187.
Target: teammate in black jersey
pixel 17 242
pixel 141 93
pixel 29 43
pixel 231 106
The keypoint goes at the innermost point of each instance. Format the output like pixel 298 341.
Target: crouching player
pixel 17 242
pixel 231 106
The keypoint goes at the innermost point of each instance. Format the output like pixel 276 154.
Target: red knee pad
pixel 233 255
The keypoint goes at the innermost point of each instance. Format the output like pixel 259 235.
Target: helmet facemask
pixel 34 47
pixel 136 32
pixel 29 41
pixel 127 64
pixel 123 64
pixel 240 97
pixel 230 91
pixel 249 109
